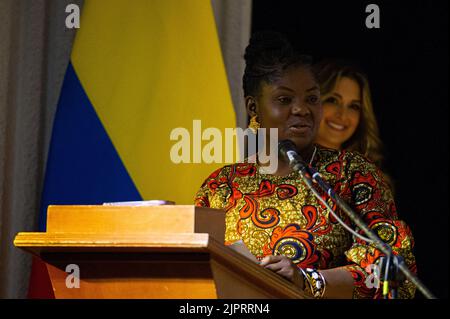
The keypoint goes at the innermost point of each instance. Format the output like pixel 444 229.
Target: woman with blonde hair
pixel 348 118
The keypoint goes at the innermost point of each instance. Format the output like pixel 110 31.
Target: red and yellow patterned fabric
pixel 278 215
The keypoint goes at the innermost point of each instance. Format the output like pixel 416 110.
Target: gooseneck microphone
pixel 288 150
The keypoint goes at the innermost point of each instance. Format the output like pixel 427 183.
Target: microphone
pixel 288 150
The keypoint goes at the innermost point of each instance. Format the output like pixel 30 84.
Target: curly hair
pixel 268 55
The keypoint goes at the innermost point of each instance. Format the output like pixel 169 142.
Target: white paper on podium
pixel 155 202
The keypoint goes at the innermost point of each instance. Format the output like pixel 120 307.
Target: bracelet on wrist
pixel 314 282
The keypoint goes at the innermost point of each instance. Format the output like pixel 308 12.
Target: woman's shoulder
pixel 245 168
pixel 344 161
pixel 332 155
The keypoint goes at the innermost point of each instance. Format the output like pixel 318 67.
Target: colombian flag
pixel 138 70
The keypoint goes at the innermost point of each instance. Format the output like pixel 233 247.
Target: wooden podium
pixel 147 252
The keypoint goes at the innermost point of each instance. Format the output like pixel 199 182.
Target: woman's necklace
pixel 313 155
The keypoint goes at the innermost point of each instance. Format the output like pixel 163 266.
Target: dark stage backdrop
pixel 406 60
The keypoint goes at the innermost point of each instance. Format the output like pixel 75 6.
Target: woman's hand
pixel 284 267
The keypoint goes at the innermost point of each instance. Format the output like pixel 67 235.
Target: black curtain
pixel 406 60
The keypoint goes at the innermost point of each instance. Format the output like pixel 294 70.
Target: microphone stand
pixel 306 173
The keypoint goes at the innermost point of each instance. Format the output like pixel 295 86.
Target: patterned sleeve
pixel 202 196
pixel 218 191
pixel 215 190
pixel 371 197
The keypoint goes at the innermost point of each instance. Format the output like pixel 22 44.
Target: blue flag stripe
pixel 83 166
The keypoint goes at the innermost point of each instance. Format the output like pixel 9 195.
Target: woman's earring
pixel 254 125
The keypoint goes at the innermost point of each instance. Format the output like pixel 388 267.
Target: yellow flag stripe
pixel 147 68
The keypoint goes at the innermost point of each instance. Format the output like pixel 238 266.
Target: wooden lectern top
pixel 119 227
pixel 136 219
pixel 148 252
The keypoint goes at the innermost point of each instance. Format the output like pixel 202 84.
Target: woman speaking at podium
pixel 277 216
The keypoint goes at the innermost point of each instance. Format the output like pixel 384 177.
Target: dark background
pixel 406 61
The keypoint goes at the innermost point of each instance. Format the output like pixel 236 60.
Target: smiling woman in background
pixel 348 118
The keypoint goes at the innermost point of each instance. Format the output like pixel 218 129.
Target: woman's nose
pixel 300 109
pixel 340 112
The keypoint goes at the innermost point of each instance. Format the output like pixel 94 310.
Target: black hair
pixel 268 55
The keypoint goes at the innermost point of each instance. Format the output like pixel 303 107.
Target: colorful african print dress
pixel 276 215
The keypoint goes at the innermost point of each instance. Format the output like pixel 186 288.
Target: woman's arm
pixel 338 281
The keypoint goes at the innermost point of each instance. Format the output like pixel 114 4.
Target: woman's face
pixel 341 114
pixel 292 105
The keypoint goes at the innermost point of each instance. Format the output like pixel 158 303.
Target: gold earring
pixel 254 124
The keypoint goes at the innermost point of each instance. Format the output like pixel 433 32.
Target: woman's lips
pixel 335 126
pixel 300 129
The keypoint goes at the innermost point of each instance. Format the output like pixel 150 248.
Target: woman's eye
pixel 356 107
pixel 313 99
pixel 285 100
pixel 332 100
